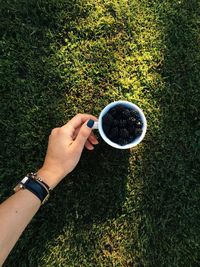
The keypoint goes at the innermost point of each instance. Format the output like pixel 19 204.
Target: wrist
pixel 49 177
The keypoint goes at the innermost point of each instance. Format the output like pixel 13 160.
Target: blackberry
pixel 126 114
pixel 138 124
pixel 124 133
pixel 131 121
pixel 114 132
pixel 120 108
pixel 138 132
pixel 118 116
pixel 131 139
pixel 131 130
pixel 122 123
pixel 134 113
pixel 121 141
pixel 106 128
pixel 107 119
pixel 115 122
pixel 113 112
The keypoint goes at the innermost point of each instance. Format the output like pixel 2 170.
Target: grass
pixel 118 208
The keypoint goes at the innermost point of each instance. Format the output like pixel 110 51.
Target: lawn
pixel 134 208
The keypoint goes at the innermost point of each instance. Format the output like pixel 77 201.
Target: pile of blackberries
pixel 122 125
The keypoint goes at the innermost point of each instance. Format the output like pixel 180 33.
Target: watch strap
pixel 36 177
pixel 37 189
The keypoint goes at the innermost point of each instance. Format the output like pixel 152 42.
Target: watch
pixel 35 185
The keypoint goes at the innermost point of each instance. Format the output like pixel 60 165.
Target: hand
pixel 65 148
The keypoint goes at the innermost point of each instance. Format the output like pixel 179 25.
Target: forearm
pixel 15 213
pixel 64 150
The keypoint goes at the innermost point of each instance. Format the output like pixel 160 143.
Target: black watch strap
pixel 37 189
pixel 34 176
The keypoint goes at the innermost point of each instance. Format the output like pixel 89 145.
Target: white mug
pixel 98 124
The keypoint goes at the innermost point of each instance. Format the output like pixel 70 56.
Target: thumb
pixel 83 134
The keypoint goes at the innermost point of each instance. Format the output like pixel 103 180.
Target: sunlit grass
pixel 118 208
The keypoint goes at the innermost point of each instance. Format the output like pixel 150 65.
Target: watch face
pixel 18 187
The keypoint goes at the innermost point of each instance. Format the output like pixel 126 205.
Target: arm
pixel 64 150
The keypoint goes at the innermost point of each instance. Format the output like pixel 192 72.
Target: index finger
pixel 78 120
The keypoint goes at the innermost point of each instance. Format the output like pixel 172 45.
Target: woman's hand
pixel 64 150
pixel 65 147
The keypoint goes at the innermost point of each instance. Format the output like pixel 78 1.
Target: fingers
pixel 82 137
pixel 92 138
pixel 78 120
pixel 89 146
pixel 79 133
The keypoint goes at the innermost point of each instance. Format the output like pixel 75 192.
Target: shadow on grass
pixel 169 231
pixel 90 195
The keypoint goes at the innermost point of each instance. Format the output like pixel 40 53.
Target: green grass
pixel 134 208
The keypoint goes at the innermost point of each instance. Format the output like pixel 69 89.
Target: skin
pixel 63 154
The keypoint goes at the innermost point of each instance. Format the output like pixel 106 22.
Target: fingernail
pixel 90 123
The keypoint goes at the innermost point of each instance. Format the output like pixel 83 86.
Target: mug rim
pixel 128 104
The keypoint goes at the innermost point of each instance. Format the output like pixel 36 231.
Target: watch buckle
pixel 18 187
pixel 45 199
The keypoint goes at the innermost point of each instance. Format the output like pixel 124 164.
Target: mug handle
pixel 95 126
